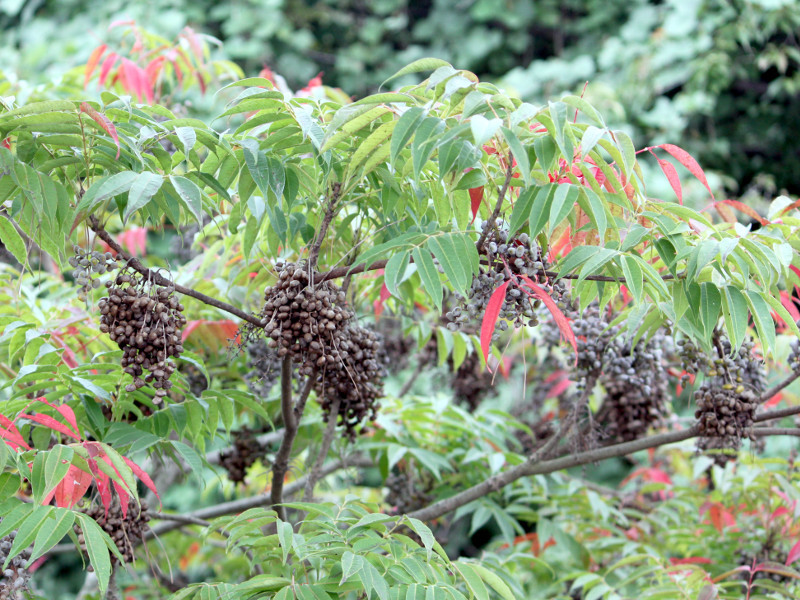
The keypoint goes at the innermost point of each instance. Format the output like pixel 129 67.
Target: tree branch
pixel 501 196
pixel 327 440
pixel 777 414
pixel 291 418
pixel 336 189
pixel 782 385
pixel 530 467
pixel 767 431
pixel 158 278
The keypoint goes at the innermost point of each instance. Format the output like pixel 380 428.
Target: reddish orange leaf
pixel 10 433
pixel 72 488
pixel 691 560
pixel 794 554
pixel 103 121
pixel 475 197
pixel 561 321
pixel 50 422
pixel 91 64
pixel 490 318
pixel 106 67
pixel 672 176
pixel 143 477
pixel 65 411
pixel 377 305
pixel 212 333
pixel 689 162
pixel 745 209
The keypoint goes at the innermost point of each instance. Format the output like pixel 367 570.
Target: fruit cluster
pixel 311 324
pixel 87 265
pixel 505 259
pixel 15 577
pixel 263 368
pixel 635 382
pixel 125 530
pixel 405 493
pixel 145 320
pixel 728 398
pixel 470 383
pixel 246 450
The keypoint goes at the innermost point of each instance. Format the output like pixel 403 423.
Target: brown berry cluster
pixel 246 450
pixel 14 583
pixel 505 259
pixel 471 383
pixel 405 492
pixel 728 398
pixel 310 324
pixel 87 265
pixel 263 368
pixel 126 530
pixel 145 321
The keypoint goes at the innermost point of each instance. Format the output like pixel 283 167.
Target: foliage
pixel 401 195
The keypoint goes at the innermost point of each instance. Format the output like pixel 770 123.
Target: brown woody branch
pixel 159 279
pixel 327 440
pixel 291 418
pixel 336 189
pixel 782 385
pixel 501 196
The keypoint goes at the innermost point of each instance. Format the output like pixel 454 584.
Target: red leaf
pixel 134 240
pixel 6 143
pixel 490 317
pixel 120 22
pixel 774 401
pixel 72 487
pixel 106 66
pixel 789 305
pixel 377 305
pixel 124 498
pixel 561 321
pixel 558 388
pixel 314 82
pixel 91 64
pixel 212 333
pixel 194 43
pixel 11 434
pixel 745 209
pixel 687 161
pixel 691 560
pixel 144 477
pixel 51 423
pixel 475 197
pixel 103 121
pixel 101 481
pixel 672 177
pixel 794 554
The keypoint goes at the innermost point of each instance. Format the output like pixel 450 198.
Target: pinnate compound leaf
pixel 689 162
pixel 490 318
pixel 103 121
pixel 561 320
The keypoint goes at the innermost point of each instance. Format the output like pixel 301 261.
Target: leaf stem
pixel 501 196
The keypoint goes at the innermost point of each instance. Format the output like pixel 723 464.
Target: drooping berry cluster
pixel 311 324
pixel 246 450
pixel 87 265
pixel 14 583
pixel 405 493
pixel 470 383
pixel 145 321
pixel 263 368
pixel 728 398
pixel 635 381
pixel 506 259
pixel 126 531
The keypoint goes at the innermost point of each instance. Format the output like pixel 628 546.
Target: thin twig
pixel 336 189
pixel 185 519
pixel 159 279
pixel 281 464
pixel 783 384
pixel 501 196
pixel 327 440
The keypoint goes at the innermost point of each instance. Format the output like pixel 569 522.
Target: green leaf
pixel 564 200
pixel 188 138
pixel 522 209
pixel 192 458
pixel 423 64
pixel 59 523
pixel 369 145
pixel 429 276
pixel 373 581
pixel 57 463
pixel 541 207
pixel 710 303
pixel 634 277
pixel 141 192
pixel 9 483
pixel 285 537
pixel 106 188
pixel 424 533
pixel 519 153
pixel 406 126
pixel 762 319
pixel 483 129
pixel 189 194
pixel 12 240
pixel 445 251
pixel 27 530
pixel 424 142
pixel 595 208
pixel 473 580
pixel 395 270
pixel 493 580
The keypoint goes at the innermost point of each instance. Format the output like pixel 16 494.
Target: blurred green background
pixel 717 77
